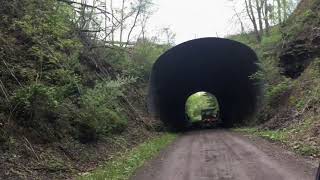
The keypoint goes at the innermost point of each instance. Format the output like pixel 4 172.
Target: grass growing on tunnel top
pixel 124 165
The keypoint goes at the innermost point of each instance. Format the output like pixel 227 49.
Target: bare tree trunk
pixel 279 11
pixel 266 17
pixel 105 21
pixel 240 20
pixel 122 22
pixel 112 22
pixel 252 17
pixel 143 27
pixel 259 5
pixel 134 23
pixel 285 9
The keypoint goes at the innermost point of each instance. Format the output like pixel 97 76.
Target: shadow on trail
pixel 200 125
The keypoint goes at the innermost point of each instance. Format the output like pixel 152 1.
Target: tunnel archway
pixel 218 66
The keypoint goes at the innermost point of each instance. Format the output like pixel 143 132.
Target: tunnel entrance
pixel 218 66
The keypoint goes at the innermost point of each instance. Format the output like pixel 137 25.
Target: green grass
pixel 277 135
pixel 122 167
pixel 287 137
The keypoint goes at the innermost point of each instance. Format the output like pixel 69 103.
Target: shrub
pixel 102 109
pixel 275 93
pixel 273 39
pixel 36 108
pixel 144 54
pixel 35 99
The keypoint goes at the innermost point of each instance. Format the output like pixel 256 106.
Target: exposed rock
pixel 297 55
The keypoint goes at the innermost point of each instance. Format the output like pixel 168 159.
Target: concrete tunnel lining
pixel 218 66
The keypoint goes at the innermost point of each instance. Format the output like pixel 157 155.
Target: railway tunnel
pixel 218 66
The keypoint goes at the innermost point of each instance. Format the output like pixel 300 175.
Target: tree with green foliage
pixel 58 75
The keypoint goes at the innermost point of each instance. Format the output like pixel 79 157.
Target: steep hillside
pixel 290 61
pixel 301 40
pixel 68 102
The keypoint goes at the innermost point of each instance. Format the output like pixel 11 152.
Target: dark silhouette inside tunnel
pixel 218 66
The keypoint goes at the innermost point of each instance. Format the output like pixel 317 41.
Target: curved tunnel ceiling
pixel 219 66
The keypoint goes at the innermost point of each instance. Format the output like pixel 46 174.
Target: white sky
pixel 190 19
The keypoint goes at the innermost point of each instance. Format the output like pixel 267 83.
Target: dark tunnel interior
pixel 219 66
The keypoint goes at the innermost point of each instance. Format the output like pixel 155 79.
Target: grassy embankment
pixel 287 137
pixel 290 61
pixel 124 165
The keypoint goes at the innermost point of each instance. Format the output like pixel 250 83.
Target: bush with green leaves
pixel 275 93
pixel 35 96
pixel 56 80
pixel 144 54
pixel 273 39
pixel 36 107
pixel 101 106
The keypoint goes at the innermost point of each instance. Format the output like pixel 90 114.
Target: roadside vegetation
pixel 288 111
pixel 123 165
pixel 74 74
pixel 73 82
pixel 287 137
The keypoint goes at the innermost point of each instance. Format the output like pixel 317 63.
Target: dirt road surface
pixel 225 155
